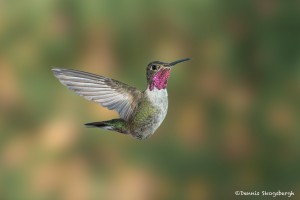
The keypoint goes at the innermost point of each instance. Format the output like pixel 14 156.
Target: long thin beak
pixel 178 61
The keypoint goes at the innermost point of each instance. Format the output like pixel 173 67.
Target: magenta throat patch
pixel 160 79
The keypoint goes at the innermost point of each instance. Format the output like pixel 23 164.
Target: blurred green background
pixel 233 120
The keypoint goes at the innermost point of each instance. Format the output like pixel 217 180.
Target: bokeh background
pixel 233 120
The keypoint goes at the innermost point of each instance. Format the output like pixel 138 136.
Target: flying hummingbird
pixel 141 112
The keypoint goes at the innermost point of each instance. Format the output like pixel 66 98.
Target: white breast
pixel 159 98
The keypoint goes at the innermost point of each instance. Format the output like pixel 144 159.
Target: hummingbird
pixel 141 112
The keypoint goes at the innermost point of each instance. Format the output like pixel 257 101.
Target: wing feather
pixel 108 92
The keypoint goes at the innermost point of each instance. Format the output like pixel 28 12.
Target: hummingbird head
pixel 158 73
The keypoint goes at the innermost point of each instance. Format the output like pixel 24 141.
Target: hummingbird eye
pixel 154 67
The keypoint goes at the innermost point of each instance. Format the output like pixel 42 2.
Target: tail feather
pixel 99 125
pixel 118 125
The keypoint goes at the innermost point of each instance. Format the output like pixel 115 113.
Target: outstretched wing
pixel 108 92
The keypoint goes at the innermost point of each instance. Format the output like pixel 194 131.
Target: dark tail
pixel 95 124
pixel 118 125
